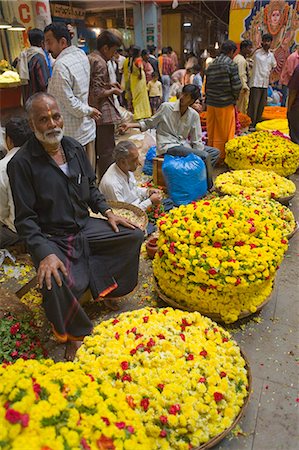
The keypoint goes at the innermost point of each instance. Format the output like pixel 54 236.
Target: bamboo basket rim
pixel 135 209
pixel 219 437
pixel 213 316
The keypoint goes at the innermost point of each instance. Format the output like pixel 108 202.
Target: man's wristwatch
pixel 107 211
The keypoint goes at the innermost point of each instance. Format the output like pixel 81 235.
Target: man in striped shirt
pixel 223 87
pixel 166 69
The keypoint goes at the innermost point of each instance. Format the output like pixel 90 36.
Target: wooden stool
pixel 158 177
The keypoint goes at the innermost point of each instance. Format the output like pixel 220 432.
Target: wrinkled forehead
pixel 44 106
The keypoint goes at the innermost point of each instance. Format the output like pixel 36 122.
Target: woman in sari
pixel 141 104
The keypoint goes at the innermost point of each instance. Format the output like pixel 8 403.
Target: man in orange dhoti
pixel 223 86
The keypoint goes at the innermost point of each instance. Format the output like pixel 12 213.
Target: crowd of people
pixel 63 160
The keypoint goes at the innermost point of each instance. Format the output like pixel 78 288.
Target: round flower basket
pixel 264 150
pixel 208 386
pixel 130 212
pixel 257 183
pixel 273 125
pixel 220 256
pixel 216 317
pixel 294 231
pixel 217 439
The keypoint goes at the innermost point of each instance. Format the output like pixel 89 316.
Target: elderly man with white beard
pixel 53 185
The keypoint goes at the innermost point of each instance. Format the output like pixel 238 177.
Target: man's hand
pixel 95 114
pixel 115 85
pixel 114 220
pixel 47 267
pixel 117 90
pixel 154 191
pixel 156 198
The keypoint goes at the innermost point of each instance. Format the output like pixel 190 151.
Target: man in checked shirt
pixel 69 84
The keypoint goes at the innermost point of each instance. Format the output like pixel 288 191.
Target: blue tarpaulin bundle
pixel 185 177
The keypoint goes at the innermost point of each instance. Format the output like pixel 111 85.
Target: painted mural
pixel 280 18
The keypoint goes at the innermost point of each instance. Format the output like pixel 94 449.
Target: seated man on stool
pixel 175 123
pixel 17 132
pixel 53 185
pixel 119 183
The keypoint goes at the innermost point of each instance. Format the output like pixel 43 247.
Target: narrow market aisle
pixel 270 342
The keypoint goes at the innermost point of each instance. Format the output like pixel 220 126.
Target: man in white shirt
pixel 241 60
pixel 69 84
pixel 119 183
pixel 263 63
pixel 179 130
pixel 17 132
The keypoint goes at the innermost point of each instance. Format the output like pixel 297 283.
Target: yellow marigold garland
pixel 181 373
pixel 255 182
pixel 262 150
pixel 48 406
pixel 219 256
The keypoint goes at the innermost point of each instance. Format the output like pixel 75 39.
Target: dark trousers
pixel 105 144
pixel 257 103
pixel 96 258
pixel 293 119
pixel 209 156
pixel 7 237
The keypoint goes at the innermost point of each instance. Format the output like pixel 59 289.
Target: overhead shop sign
pixel 67 12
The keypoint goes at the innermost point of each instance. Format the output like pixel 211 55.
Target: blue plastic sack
pixel 148 163
pixel 185 178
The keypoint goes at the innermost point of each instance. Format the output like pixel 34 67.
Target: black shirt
pixel 46 200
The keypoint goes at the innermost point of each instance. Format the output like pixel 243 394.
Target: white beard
pixel 50 137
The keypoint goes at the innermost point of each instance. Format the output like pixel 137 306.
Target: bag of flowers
pixel 185 178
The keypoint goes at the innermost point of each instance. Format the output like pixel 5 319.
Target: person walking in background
pixel 147 67
pixel 140 98
pixel 191 61
pixel 119 59
pixel 293 106
pixel 196 79
pixel 240 60
pixel 101 96
pixel 155 92
pixel 263 63
pixel 287 72
pixel 125 84
pixel 33 66
pixel 166 69
pixel 223 87
pixel 174 58
pixel 153 60
pixel 69 84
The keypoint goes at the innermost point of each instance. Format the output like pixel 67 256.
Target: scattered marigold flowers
pixel 179 393
pixel 274 112
pixel 263 150
pixel 222 260
pixel 254 182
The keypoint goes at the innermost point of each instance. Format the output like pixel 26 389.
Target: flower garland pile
pixel 263 150
pixel 255 182
pixel 60 406
pixel 274 124
pixel 219 256
pixel 19 339
pixel 274 112
pixel 181 373
pixel 121 394
pixel 244 120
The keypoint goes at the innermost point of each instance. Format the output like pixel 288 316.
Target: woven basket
pixel 294 231
pixel 213 316
pixel 283 200
pixel 142 216
pixel 216 439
